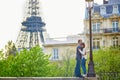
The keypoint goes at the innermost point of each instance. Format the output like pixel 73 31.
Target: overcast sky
pixel 62 18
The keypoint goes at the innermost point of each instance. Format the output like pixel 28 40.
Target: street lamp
pixel 91 72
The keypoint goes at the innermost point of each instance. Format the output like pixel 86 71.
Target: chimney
pixel 105 1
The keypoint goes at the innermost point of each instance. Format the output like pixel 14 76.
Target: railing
pixel 111 30
pixel 105 30
pixel 109 75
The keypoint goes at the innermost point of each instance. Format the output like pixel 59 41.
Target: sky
pixel 62 18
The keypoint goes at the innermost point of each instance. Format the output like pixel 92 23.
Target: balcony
pixel 111 30
pixel 105 31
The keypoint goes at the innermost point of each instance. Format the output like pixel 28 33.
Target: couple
pixel 80 59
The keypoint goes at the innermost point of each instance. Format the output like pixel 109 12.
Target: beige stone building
pixel 59 48
pixel 105 24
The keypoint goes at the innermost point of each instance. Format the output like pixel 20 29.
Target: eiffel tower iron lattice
pixel 31 32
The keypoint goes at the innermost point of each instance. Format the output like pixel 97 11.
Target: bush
pixel 27 63
pixel 34 63
pixel 107 60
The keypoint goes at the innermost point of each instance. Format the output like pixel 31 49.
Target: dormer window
pixel 102 10
pixel 115 9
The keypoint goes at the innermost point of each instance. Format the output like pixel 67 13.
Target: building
pixel 105 24
pixel 33 30
pixel 60 48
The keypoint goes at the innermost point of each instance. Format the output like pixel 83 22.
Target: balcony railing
pixel 105 30
pixel 111 30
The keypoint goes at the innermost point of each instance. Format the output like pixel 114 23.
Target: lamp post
pixel 91 72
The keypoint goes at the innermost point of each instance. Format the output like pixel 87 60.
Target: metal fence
pixel 109 75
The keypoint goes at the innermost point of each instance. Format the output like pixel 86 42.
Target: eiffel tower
pixel 31 32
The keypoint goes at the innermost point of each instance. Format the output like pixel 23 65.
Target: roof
pixel 114 1
pixel 72 39
pixel 109 8
pixel 54 42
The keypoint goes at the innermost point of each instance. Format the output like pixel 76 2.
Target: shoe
pixel 81 76
pixel 84 75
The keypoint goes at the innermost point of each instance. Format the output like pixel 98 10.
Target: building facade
pixel 105 24
pixel 60 48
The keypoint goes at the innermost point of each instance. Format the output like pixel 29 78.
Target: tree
pixel 10 49
pixel 34 63
pixel 64 67
pixel 1 55
pixel 69 63
pixel 28 63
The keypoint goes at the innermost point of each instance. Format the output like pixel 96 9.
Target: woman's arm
pixel 82 52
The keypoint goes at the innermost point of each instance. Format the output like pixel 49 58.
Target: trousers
pixel 84 65
pixel 77 72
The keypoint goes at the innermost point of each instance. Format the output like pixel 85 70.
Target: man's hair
pixel 79 40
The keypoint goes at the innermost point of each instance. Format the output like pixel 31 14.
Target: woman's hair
pixel 83 44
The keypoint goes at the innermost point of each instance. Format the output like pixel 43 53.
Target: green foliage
pixel 1 55
pixel 61 69
pixel 65 67
pixel 107 60
pixel 34 63
pixel 27 63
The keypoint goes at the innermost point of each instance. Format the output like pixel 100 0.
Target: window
pixel 96 43
pixel 115 9
pixel 103 42
pixel 115 26
pixel 96 27
pixel 102 10
pixel 115 41
pixel 55 55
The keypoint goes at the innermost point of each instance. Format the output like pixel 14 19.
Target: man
pixel 84 57
pixel 78 59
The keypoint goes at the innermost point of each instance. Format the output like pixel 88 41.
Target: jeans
pixel 77 68
pixel 84 65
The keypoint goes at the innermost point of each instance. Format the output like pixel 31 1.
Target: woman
pixel 84 57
